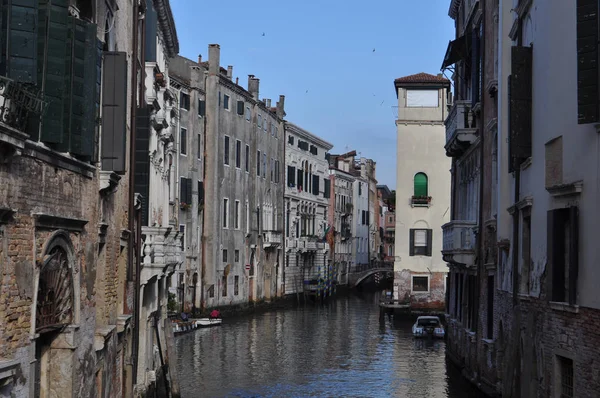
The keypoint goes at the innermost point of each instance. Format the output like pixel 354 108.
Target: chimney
pixel 268 103
pixel 214 59
pixel 280 106
pixel 199 58
pixel 229 72
pixel 253 86
pixel 237 80
pixel 440 75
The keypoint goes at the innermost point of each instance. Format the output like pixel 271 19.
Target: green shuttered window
pixel 420 188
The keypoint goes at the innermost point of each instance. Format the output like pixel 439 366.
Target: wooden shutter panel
pixel 588 85
pixel 573 253
pixel 411 242
pixel 182 189
pixel 21 48
pixel 52 39
pixel 81 103
pixel 114 111
pixel 520 103
pixel 475 58
pixel 429 242
pixel 327 188
pixel 240 107
pixel 315 187
pixel 201 108
pixel 556 254
pixel 188 191
pixel 511 164
pixel 142 158
pixel 291 175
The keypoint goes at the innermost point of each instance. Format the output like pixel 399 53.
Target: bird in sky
pixel 263 33
pixel 373 50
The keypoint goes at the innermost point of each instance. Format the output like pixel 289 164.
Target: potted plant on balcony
pixel 184 206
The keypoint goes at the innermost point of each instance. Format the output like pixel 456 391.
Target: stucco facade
pixel 307 193
pixel 422 187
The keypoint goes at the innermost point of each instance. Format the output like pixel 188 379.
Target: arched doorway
pixel 56 306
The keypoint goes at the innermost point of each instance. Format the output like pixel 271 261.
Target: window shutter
pixel 420 188
pixel 511 166
pixel 588 90
pixel 327 184
pixel 114 111
pixel 52 39
pixel 182 189
pixel 142 158
pixel 201 108
pixel 21 61
pixel 200 192
pixel 240 108
pixel 520 103
pixel 411 242
pixel 573 253
pixel 556 254
pixel 80 85
pixel 300 179
pixel 429 241
pixel 475 41
pixel 291 174
pixel 188 191
pixel 258 160
pixel 315 187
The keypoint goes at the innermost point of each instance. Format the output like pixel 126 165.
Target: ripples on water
pixel 342 349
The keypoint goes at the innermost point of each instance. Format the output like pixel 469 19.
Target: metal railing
pixel 18 102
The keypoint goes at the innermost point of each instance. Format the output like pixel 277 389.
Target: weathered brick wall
pixel 434 300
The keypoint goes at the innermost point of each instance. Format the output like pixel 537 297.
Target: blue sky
pixel 326 48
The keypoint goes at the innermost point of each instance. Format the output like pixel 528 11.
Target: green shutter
pixel 21 53
pixel 52 51
pixel 420 184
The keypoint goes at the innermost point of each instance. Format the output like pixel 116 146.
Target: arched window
pixel 421 188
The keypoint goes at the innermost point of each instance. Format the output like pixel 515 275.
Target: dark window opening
pixel 420 242
pixel 420 284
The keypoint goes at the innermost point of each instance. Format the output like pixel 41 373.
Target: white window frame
pixel 236 214
pixel 226 102
pixel 225 213
pixel 412 278
pixel 226 137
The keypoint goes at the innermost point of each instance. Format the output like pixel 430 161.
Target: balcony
pixel 162 252
pixel 272 239
pixel 459 242
pixel 420 201
pixel 461 130
pixel 290 243
pixel 18 103
pixel 307 243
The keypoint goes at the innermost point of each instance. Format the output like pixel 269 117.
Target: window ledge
pixel 488 342
pixel 58 159
pixel 565 307
pixel 8 369
pixel 526 164
pixel 559 190
pixel 524 297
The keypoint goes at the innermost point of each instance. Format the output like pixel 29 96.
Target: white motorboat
pixel 208 322
pixel 428 326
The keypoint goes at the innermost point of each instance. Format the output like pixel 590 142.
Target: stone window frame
pixel 59 238
pixel 412 279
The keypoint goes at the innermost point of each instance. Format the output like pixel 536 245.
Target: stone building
pixel 155 176
pixel 187 80
pixel 362 220
pixel 307 193
pixel 387 224
pixel 233 203
pixel 422 187
pixel 67 225
pixel 341 212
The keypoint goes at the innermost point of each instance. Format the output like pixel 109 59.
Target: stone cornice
pixel 524 203
pixel 51 221
pixel 419 123
pixel 167 26
pixel 300 132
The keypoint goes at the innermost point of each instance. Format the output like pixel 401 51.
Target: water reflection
pixel 341 349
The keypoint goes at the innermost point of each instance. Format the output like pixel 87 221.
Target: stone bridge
pixel 358 275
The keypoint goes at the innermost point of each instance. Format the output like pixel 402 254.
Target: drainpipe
pixel 130 256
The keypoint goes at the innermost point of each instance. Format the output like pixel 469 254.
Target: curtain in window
pixel 420 184
pixel 420 237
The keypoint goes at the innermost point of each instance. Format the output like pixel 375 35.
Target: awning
pixel 457 50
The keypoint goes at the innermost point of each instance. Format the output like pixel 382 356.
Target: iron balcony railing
pixel 18 102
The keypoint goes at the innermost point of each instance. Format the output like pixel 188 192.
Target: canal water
pixel 340 349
